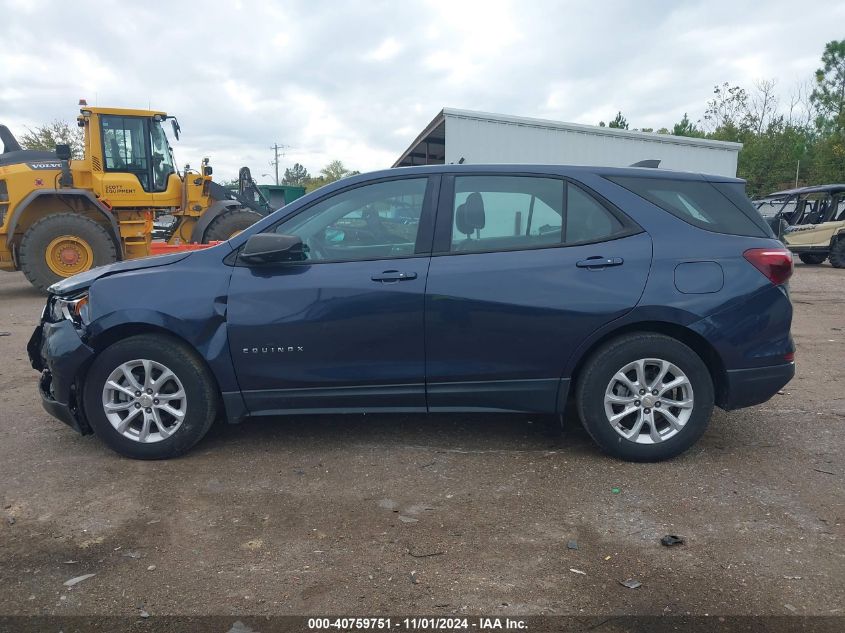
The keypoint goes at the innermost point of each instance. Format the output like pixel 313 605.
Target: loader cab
pixel 138 146
pixel 132 163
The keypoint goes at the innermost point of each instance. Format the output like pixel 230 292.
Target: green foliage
pixel 296 175
pixel 335 170
pixel 829 93
pixel 619 122
pixel 46 137
pixel 683 128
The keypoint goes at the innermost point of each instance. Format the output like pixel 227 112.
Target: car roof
pixel 558 170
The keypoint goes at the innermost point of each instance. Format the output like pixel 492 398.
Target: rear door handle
pixel 596 261
pixel 389 276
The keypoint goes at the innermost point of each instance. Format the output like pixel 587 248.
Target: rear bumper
pixel 57 351
pixel 747 387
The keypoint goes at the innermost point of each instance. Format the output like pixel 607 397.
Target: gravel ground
pixel 437 515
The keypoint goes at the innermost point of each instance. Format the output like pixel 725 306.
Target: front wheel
pixel 837 253
pixel 645 397
pixel 150 397
pixel 61 245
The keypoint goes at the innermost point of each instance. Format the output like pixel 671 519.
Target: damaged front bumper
pixel 60 354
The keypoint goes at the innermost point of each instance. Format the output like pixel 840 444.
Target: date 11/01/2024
pixel 419 624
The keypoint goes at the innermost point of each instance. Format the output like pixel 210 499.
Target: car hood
pixel 83 280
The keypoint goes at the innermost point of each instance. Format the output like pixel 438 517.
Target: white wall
pixel 486 141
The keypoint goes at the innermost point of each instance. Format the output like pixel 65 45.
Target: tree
pixel 828 96
pixel 46 137
pixel 619 122
pixel 763 104
pixel 684 127
pixel 335 170
pixel 728 115
pixel 296 175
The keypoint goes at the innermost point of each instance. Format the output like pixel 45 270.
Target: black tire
pixel 229 223
pixel 837 253
pixel 812 259
pixel 604 364
pixel 202 396
pixel 33 247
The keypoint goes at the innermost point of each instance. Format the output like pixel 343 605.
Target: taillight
pixel 774 263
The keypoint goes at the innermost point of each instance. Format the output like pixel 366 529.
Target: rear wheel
pixel 837 253
pixel 645 397
pixel 150 397
pixel 813 259
pixel 62 245
pixel 229 223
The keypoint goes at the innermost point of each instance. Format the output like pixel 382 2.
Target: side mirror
pixel 63 152
pixel 273 248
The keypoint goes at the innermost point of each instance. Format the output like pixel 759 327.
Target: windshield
pixel 162 156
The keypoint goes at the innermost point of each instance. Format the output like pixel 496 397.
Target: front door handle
pixel 390 276
pixel 596 261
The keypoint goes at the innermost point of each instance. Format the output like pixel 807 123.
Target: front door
pixel 343 329
pixel 524 268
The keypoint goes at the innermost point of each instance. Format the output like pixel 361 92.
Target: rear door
pixel 524 268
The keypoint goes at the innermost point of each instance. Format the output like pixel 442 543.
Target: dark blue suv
pixel 645 295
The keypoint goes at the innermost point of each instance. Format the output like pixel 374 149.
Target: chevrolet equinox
pixel 647 296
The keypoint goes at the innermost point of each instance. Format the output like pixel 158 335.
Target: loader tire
pixel 62 245
pixel 229 223
pixel 837 253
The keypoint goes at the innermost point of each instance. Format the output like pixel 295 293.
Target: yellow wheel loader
pixel 61 216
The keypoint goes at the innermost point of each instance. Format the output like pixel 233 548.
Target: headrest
pixel 470 215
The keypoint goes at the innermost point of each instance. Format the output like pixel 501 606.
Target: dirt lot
pixel 414 514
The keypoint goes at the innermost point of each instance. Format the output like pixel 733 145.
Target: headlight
pixel 73 309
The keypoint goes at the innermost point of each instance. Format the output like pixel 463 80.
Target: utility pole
pixel 797 167
pixel 275 162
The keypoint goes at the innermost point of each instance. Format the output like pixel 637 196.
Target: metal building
pixel 481 137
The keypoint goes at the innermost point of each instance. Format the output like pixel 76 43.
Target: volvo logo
pixel 274 349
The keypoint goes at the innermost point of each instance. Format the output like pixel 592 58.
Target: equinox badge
pixel 273 349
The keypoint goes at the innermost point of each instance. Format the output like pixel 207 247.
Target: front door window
pixel 378 221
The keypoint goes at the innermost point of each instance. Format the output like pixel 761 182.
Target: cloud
pixel 358 81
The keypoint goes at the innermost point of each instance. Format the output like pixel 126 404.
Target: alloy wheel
pixel 648 401
pixel 144 401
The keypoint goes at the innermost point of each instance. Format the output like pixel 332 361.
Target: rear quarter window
pixel 721 207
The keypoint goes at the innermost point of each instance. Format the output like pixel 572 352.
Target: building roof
pixel 435 132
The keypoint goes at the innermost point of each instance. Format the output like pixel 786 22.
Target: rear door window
pixel 586 219
pixel 492 213
pixel 718 207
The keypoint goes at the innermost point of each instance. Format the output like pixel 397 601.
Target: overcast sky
pixel 359 80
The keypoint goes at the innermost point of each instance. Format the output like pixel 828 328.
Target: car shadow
pixel 456 432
